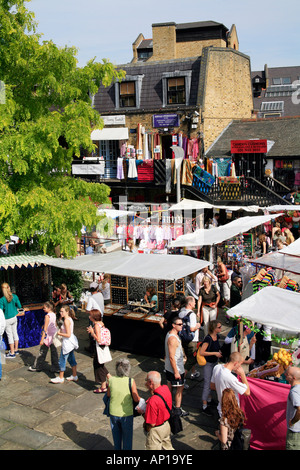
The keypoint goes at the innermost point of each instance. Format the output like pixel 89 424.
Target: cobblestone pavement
pixel 38 415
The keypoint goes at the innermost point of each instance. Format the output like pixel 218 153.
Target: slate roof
pixel 290 109
pixel 151 93
pixel 285 132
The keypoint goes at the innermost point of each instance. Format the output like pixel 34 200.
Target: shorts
pixel 175 382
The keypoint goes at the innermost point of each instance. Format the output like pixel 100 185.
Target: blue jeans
pixel 122 431
pixel 70 357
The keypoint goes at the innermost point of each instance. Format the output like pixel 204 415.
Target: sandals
pixel 100 390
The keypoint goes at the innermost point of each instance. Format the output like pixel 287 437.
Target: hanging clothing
pixel 132 171
pixel 120 171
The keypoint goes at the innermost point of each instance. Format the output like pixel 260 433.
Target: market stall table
pixel 132 332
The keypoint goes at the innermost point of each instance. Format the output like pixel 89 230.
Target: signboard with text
pixel 249 146
pixel 165 120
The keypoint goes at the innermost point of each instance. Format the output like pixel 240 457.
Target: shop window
pixel 176 90
pixel 127 95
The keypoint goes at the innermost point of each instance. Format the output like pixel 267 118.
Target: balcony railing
pixel 247 190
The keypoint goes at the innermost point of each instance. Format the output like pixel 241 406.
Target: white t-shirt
pixel 223 378
pixel 95 302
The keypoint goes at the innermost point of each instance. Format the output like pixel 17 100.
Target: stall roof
pixel 293 249
pixel 272 306
pixel 282 207
pixel 190 204
pixel 213 236
pixel 278 260
pixel 25 260
pixel 121 263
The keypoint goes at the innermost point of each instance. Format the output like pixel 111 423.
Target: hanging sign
pixel 249 146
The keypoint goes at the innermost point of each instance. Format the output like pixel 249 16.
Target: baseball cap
pixel 93 285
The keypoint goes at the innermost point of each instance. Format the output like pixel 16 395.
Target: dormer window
pixel 128 92
pixel 176 87
pixel 176 90
pixel 127 95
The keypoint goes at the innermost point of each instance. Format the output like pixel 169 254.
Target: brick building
pixel 183 87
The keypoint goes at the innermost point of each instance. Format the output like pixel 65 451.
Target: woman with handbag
pixel 208 300
pixel 210 349
pixel 102 337
pixel 121 407
pixel 231 422
pixel 69 344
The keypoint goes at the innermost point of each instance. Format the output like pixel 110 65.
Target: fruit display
pixel 283 357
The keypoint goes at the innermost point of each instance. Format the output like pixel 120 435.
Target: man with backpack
pixel 189 335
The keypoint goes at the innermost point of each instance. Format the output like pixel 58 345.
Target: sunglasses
pixel 178 324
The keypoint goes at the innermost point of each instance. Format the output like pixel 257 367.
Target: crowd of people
pixel 190 326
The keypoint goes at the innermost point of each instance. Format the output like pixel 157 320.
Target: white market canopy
pixel 121 263
pixel 114 213
pixel 190 204
pixel 286 207
pixel 278 260
pixel 272 306
pixel 293 249
pixel 286 259
pixel 213 236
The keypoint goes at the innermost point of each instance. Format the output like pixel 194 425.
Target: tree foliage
pixel 45 119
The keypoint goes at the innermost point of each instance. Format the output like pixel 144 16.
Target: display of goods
pixel 269 369
pixel 283 357
pixel 287 283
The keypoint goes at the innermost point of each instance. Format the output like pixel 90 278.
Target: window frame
pixel 137 80
pixel 187 75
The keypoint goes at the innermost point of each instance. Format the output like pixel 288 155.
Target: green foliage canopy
pixel 45 119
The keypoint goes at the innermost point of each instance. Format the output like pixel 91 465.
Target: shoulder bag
pixel 201 359
pixel 134 403
pixel 174 420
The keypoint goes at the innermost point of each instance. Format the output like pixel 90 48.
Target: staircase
pixel 249 191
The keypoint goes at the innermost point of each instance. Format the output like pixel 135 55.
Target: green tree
pixel 46 117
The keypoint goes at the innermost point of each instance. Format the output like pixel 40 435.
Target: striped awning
pixel 24 260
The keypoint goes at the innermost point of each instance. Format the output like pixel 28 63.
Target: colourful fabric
pixel 265 411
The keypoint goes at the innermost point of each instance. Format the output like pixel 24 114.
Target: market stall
pixel 266 406
pixel 286 259
pixel 133 327
pixel 29 276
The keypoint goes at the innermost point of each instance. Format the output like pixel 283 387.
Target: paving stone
pixel 22 415
pixel 35 396
pixel 33 439
pixel 61 444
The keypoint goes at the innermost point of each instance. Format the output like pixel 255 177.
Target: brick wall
pixel 194 48
pixel 226 90
pixel 164 42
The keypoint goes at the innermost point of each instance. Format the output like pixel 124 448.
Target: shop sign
pixel 249 146
pixel 114 120
pixel 165 120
